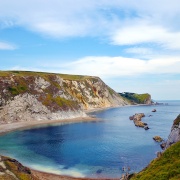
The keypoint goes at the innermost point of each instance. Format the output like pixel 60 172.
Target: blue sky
pixel 132 45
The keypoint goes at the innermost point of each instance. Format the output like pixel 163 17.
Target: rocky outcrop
pixel 11 169
pixel 135 98
pixel 157 138
pixel 175 133
pixel 137 120
pixel 26 96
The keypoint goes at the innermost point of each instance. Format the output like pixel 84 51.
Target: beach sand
pixel 5 128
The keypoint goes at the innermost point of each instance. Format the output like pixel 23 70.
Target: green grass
pixel 15 90
pixel 44 74
pixel 141 98
pixel 167 167
pixel 136 98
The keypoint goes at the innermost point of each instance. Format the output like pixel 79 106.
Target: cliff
pixel 26 96
pixel 11 169
pixel 135 98
pixel 175 133
pixel 167 165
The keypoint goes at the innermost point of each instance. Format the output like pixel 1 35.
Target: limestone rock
pixel 174 135
pixel 27 96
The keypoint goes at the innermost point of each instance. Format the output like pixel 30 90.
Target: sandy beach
pixel 5 128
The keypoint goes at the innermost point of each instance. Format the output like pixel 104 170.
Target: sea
pixel 106 148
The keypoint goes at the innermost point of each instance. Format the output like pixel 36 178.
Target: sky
pixel 133 46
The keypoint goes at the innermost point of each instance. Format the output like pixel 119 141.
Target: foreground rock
pixel 175 133
pixel 10 169
pixel 137 119
pixel 157 138
pixel 27 96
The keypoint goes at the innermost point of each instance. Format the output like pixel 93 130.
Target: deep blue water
pixel 93 149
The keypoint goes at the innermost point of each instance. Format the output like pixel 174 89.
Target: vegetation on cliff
pixel 11 169
pixel 166 167
pixel 137 98
pixel 39 95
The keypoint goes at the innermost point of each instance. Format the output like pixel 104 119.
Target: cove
pixel 93 149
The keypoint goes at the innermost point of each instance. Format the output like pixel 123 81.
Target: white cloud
pixel 110 67
pixel 7 46
pixel 146 33
pixel 139 50
pixel 69 18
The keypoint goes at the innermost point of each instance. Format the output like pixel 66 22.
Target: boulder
pixel 139 123
pixel 163 145
pixel 154 110
pixel 157 138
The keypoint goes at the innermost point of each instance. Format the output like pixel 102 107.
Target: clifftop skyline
pixel 132 46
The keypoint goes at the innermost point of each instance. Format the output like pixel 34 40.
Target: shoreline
pixel 51 176
pixel 23 125
pixel 10 127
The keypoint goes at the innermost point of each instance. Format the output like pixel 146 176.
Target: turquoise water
pixel 93 149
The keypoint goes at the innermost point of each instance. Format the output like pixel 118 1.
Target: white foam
pixel 67 172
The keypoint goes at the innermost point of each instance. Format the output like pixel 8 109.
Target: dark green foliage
pixel 136 98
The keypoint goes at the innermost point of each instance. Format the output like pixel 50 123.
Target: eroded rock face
pixel 175 133
pixel 26 96
pixel 12 169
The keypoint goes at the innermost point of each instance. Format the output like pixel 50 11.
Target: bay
pixel 94 149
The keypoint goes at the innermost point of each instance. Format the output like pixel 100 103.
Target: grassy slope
pixel 43 74
pixel 167 167
pixel 136 98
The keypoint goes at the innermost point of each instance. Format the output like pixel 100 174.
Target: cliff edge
pixel 26 96
pixel 167 165
pixel 175 133
pixel 135 98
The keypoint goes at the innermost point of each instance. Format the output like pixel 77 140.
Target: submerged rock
pixel 146 127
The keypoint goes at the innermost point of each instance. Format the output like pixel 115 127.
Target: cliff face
pixel 11 169
pixel 135 98
pixel 175 133
pixel 26 96
pixel 167 165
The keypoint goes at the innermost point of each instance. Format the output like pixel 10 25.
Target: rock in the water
pixel 137 119
pixel 139 123
pixel 131 117
pixel 99 171
pixel 154 110
pixel 146 127
pixel 157 138
pixel 163 145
